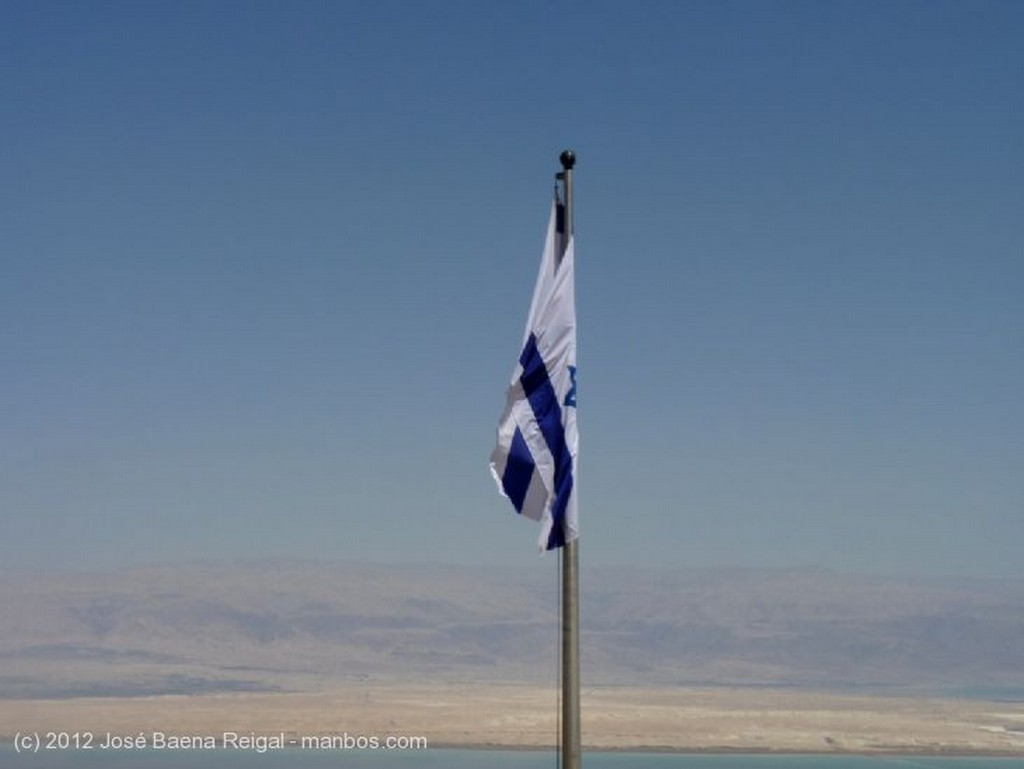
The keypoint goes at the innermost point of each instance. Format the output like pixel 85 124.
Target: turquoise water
pixel 469 759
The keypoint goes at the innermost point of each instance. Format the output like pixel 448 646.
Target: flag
pixel 534 461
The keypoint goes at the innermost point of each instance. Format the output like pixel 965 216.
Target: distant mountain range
pixel 307 626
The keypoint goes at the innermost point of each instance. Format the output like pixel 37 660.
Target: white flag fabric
pixel 534 461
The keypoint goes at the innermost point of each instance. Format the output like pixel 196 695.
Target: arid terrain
pixel 805 660
pixel 524 716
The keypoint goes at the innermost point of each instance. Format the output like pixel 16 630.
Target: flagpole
pixel 571 750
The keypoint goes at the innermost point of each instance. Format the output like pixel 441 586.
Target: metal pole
pixel 571 751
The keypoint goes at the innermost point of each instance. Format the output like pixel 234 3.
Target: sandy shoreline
pixel 513 716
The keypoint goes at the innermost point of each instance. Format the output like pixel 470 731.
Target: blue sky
pixel 266 265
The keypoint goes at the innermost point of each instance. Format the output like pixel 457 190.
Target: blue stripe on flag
pixel 519 469
pixel 544 402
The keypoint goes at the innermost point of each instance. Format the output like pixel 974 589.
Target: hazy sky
pixel 265 269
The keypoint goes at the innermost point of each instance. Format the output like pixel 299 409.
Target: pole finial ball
pixel 568 158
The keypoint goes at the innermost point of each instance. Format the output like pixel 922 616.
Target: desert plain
pixel 524 716
pixel 733 660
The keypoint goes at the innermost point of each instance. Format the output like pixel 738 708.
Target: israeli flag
pixel 534 461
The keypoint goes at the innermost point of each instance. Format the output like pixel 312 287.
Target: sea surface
pixel 470 759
